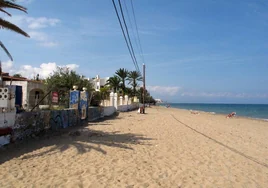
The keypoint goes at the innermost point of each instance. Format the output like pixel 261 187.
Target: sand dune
pixel 163 148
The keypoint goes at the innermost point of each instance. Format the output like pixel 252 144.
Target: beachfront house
pixel 99 82
pixel 32 90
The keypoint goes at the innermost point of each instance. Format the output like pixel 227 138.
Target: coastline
pixel 166 147
pixel 221 114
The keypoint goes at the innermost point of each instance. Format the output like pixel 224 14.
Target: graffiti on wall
pixel 29 123
pixel 74 99
pixel 83 104
pixel 63 118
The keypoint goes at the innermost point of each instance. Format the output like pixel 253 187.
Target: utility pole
pixel 1 77
pixel 143 88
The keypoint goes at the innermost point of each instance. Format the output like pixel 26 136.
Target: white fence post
pixel 115 100
pixel 121 100
pixel 126 100
pixel 112 99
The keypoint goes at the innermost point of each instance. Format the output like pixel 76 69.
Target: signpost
pixel 55 97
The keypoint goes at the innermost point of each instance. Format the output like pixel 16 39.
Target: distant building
pixel 99 82
pixel 158 101
pixel 32 90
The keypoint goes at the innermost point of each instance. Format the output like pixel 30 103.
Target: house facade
pixel 98 82
pixel 32 90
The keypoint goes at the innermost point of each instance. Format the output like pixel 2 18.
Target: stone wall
pixel 125 108
pixel 95 113
pixel 21 126
pixel 29 124
pixel 109 110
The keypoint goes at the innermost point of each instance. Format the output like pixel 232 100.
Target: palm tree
pixel 104 93
pixel 133 78
pixel 4 4
pixel 129 92
pixel 114 82
pixel 122 73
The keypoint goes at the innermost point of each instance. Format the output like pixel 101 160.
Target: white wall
pixel 109 110
pixel 27 86
pixel 125 108
pixel 7 119
pixel 25 91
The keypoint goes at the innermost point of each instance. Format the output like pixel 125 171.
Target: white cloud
pixel 33 25
pixel 72 66
pixel 42 22
pixel 44 70
pixel 7 65
pixel 164 90
pixel 31 22
pixel 39 36
pixel 42 38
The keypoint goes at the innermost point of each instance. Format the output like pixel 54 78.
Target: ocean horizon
pixel 257 111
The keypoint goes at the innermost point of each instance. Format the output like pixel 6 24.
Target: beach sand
pixel 163 148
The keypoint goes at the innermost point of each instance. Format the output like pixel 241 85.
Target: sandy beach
pixel 163 148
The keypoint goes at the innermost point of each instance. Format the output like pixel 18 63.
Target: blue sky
pixel 195 51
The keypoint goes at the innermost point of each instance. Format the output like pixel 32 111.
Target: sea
pixel 257 111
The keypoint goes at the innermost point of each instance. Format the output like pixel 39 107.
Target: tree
pixel 122 74
pixel 63 80
pixel 17 75
pixel 4 4
pixel 114 83
pixel 133 78
pixel 129 92
pixel 104 93
pixel 147 99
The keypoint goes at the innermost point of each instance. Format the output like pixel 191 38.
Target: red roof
pixel 6 77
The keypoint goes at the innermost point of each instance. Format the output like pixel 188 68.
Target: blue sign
pixel 74 99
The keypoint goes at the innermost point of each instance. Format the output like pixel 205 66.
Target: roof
pixel 6 77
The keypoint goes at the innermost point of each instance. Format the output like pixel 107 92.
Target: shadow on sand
pixel 80 137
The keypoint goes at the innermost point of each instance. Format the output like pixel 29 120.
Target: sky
pixel 209 51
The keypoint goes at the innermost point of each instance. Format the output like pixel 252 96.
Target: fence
pixel 19 126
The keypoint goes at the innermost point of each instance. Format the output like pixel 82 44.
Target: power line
pixel 128 34
pixel 137 31
pixel 124 35
pixel 131 27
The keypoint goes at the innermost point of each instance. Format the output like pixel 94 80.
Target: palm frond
pixel 7 25
pixel 8 4
pixel 7 52
pixel 5 12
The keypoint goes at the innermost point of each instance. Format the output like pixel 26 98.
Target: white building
pixel 99 82
pixel 32 90
pixel 158 101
